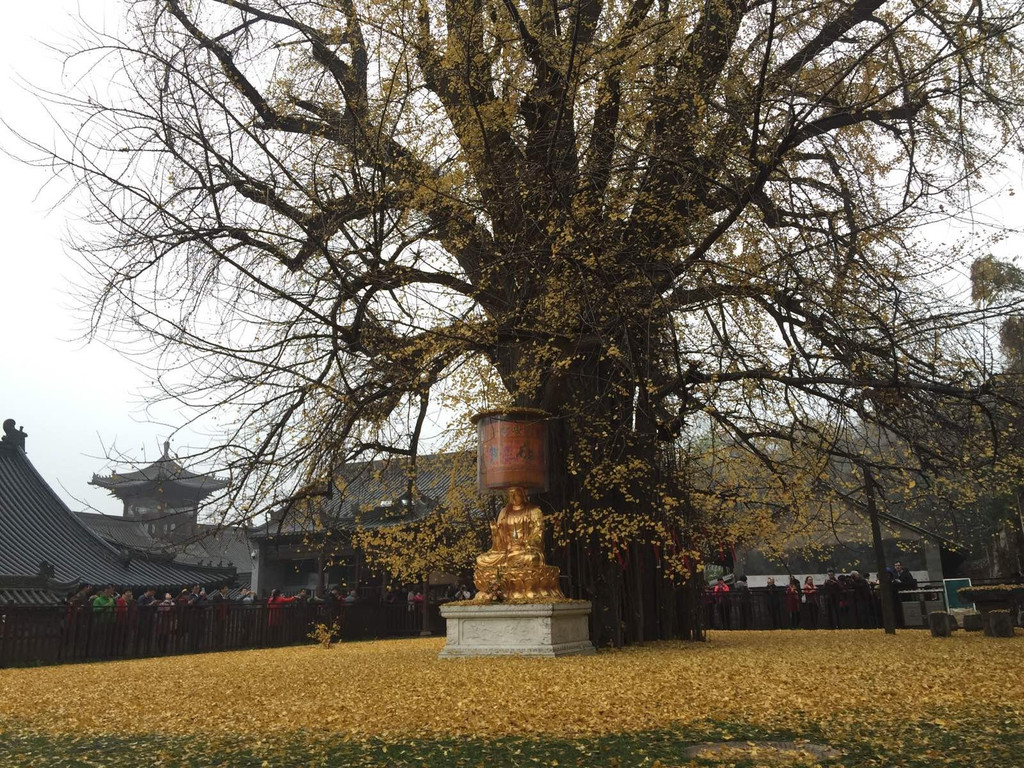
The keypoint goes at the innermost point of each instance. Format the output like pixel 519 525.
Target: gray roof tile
pixel 36 525
pixel 165 473
pixel 212 545
pixel 376 493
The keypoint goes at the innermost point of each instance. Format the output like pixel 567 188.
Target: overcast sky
pixel 82 402
pixel 77 401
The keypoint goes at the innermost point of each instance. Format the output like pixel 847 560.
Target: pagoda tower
pixel 163 495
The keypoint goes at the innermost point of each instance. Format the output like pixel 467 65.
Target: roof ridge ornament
pixel 14 435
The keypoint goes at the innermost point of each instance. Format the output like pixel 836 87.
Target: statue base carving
pixel 497 583
pixel 535 629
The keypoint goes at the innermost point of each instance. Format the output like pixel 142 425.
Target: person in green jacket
pixel 103 603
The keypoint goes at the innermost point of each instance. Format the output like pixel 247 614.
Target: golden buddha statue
pixel 514 566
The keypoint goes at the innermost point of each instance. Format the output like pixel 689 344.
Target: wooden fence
pixel 32 635
pixel 761 608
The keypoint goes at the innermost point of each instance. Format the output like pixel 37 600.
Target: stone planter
pixel 500 629
pixel 973 622
pixel 941 624
pixel 998 624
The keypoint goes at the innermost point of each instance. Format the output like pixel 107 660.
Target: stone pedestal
pixel 537 629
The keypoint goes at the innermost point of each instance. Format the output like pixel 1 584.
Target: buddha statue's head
pixel 516 496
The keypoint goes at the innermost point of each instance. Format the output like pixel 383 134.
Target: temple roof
pixel 33 590
pixel 165 476
pixel 210 544
pixel 39 533
pixel 375 494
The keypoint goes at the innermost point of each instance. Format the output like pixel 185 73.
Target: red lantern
pixel 512 450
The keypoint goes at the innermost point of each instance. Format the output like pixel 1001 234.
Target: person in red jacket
pixel 811 599
pixel 122 604
pixel 274 603
pixel 721 593
pixel 793 600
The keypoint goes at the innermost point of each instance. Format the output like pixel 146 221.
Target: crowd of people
pixel 112 622
pixel 414 597
pixel 845 600
pixel 841 600
pixel 110 601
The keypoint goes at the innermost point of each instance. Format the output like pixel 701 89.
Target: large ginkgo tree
pixel 691 231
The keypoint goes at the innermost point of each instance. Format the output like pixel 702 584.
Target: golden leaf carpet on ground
pixel 400 689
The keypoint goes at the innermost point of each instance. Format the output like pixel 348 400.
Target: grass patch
pixel 919 744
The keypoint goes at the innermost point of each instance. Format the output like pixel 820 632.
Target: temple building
pixel 163 496
pixel 310 546
pixel 46 550
pixel 161 514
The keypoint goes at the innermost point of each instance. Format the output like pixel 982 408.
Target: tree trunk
pixel 884 577
pixel 425 606
pixel 636 594
pixel 600 422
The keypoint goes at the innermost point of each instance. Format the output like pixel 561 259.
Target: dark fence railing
pixel 760 608
pixel 57 635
